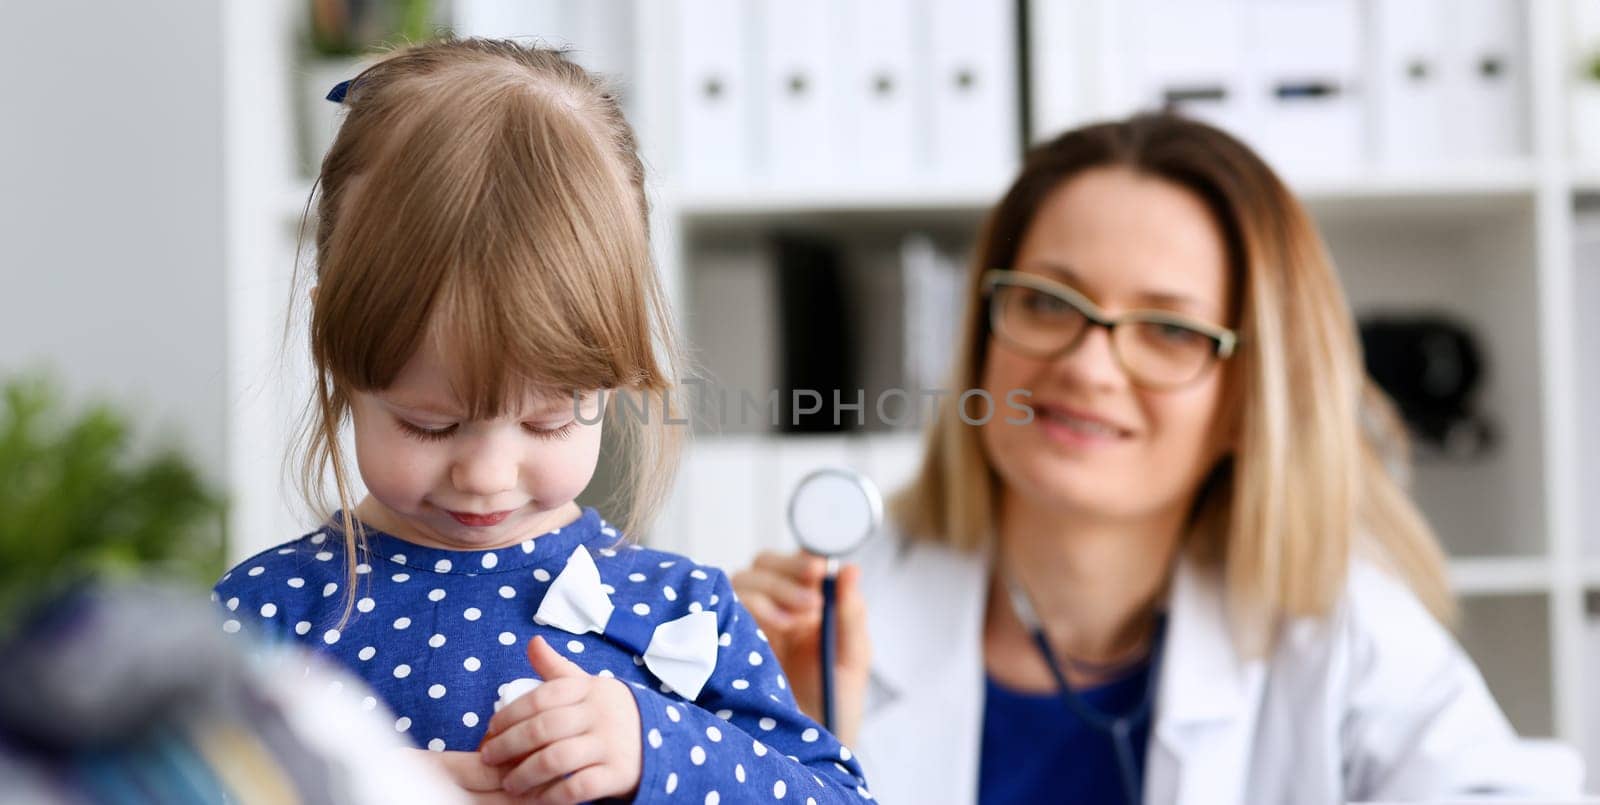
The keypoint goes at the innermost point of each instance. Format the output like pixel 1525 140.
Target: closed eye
pixel 550 433
pixel 425 434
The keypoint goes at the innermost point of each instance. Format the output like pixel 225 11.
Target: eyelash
pixel 425 435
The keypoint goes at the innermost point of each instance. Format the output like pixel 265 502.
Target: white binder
pixel 715 137
pixel 1187 56
pixel 1060 69
pixel 973 73
pixel 1489 79
pixel 1305 71
pixel 796 92
pixel 883 91
pixel 1408 82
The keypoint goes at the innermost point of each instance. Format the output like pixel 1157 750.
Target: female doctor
pixel 1190 575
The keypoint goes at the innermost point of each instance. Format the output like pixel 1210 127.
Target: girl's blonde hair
pixel 490 195
pixel 1307 482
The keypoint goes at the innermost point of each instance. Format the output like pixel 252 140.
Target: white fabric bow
pixel 681 652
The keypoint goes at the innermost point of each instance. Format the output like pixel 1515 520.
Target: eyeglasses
pixel 1042 318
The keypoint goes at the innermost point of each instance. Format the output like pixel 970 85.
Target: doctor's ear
pixel 313 295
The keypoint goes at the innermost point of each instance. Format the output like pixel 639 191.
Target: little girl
pixel 483 279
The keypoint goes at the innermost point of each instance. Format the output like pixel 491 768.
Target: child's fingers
pixel 532 734
pixel 584 785
pixel 467 770
pixel 554 762
pixel 549 696
pixel 549 664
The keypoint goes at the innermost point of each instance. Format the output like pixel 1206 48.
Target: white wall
pixel 111 215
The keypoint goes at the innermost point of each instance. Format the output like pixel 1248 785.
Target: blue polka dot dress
pixel 439 634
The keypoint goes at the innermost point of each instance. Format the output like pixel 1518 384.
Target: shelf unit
pixel 1492 243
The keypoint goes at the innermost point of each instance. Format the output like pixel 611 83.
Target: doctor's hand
pixel 784 593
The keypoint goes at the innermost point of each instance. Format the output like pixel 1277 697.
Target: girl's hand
pixel 784 593
pixel 466 769
pixel 575 738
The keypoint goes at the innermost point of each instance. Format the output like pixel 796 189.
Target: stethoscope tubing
pixel 829 645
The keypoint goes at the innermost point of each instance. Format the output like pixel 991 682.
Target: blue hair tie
pixel 340 90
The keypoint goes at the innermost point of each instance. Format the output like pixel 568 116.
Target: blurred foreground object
pixel 132 694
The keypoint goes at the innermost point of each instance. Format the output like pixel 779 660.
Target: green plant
pixel 358 27
pixel 77 502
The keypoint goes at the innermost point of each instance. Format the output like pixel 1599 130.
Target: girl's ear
pixel 313 295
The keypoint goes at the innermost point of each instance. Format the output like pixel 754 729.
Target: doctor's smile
pixel 1073 426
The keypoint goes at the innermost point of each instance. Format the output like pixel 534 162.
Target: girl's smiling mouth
pixel 480 520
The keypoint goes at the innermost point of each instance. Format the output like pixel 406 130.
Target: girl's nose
pixel 486 469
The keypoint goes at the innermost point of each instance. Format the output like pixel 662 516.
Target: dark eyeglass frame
pixel 1224 340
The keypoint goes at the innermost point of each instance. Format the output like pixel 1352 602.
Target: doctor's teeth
pixel 1087 426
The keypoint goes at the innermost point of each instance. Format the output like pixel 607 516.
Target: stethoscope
pixel 832 513
pixel 1119 728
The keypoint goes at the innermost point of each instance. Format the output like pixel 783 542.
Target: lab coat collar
pixel 1203 677
pixel 1204 730
pixel 908 650
pixel 925 614
pixel 925 605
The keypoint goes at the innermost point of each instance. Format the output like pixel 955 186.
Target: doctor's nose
pixel 1093 361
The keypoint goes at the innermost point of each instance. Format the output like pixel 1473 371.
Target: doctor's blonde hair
pixel 1309 480
pixel 488 195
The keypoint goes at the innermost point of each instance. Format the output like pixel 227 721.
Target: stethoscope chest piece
pixel 832 512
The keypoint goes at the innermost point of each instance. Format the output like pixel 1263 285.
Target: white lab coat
pixel 1375 702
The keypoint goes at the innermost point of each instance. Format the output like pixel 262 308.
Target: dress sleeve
pixel 744 739
pixel 268 597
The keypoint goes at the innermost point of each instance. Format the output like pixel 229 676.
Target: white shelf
pixel 1514 178
pixel 755 203
pixel 1517 575
pixel 1442 190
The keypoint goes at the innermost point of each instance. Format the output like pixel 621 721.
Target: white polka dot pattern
pixel 439 634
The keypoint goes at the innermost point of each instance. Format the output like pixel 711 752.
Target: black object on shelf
pixel 1431 366
pixel 815 338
